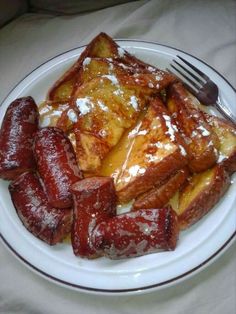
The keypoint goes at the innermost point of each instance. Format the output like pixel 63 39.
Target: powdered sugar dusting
pixel 112 78
pixel 204 131
pixel 171 130
pixel 86 61
pixel 84 105
pixel 134 102
pixel 72 115
pixel 118 92
pixel 135 170
pixel 103 106
pixel 182 150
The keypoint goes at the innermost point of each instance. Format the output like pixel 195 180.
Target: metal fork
pixel 201 86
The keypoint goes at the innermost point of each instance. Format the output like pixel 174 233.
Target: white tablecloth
pixel 206 29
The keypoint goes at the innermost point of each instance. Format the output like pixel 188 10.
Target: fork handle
pixel 225 111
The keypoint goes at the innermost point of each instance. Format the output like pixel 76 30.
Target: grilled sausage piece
pixel 41 219
pixel 57 165
pixel 16 138
pixel 137 233
pixel 94 202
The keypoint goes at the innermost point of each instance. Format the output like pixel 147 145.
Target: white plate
pixel 197 247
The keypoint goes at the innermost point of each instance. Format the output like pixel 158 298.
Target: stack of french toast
pixel 128 133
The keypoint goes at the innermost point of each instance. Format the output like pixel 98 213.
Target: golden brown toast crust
pixel 202 192
pixel 160 195
pixel 104 111
pixel 201 141
pixel 132 82
pixel 226 133
pixel 155 80
pixel 93 49
pixel 102 46
pixel 145 84
pixel 155 153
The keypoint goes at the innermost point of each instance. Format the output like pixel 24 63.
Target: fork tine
pixel 194 68
pixel 186 77
pixel 190 73
pixel 191 89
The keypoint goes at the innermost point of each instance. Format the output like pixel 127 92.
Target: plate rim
pixel 144 289
pixel 141 290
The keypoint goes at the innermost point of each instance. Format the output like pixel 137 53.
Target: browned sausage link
pixel 94 201
pixel 45 222
pixel 57 165
pixel 137 233
pixel 16 137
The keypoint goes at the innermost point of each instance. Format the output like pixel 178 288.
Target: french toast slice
pixel 104 109
pixel 146 83
pixel 153 78
pixel 154 153
pixel 201 141
pixel 102 46
pixel 159 196
pixel 201 193
pixel 226 133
